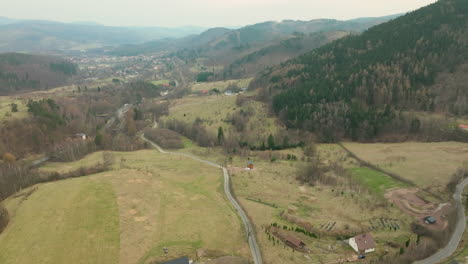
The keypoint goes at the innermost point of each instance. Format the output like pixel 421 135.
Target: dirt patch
pixel 140 218
pixel 409 202
pixel 132 212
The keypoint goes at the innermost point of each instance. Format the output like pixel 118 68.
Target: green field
pixel 159 82
pixel 426 164
pixel 72 221
pixel 5 108
pixel 376 181
pixel 147 202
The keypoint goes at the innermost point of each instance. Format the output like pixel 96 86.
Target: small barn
pixel 183 260
pixel 81 136
pixel 463 127
pixel 294 242
pixel 250 165
pixel 362 243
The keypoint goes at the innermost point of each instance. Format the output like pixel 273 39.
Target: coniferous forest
pixel 359 86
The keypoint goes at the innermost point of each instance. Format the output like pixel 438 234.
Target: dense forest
pixel 23 72
pixel 356 86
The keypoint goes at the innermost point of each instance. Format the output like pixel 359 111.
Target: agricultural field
pixel 215 111
pixel 426 164
pixel 375 181
pixel 5 108
pixel 72 221
pixel 332 211
pixel 221 85
pixel 148 201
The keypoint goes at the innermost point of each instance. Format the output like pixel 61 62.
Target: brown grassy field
pixel 215 111
pixel 426 164
pixel 156 201
pixel 320 205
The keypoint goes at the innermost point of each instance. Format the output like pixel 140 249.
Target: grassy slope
pixel 72 221
pixel 221 85
pixel 214 110
pixel 159 201
pixel 5 109
pixel 376 181
pixel 427 164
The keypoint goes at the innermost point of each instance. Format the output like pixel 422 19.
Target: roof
pixel 294 240
pixel 430 219
pixel 463 126
pixel 182 260
pixel 364 241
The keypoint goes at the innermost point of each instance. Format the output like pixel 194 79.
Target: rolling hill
pixel 47 36
pixel 222 40
pixel 355 86
pixel 23 72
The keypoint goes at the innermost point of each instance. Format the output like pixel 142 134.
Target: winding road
pixel 254 248
pixel 452 245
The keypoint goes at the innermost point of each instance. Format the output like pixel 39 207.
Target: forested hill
pixel 355 86
pixel 23 72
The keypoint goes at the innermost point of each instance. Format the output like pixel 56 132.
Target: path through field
pixel 255 249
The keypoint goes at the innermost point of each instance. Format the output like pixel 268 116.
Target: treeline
pixel 195 131
pixel 24 72
pixel 165 138
pixel 354 86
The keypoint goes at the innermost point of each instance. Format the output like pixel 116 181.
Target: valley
pixel 282 142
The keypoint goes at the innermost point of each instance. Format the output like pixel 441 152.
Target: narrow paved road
pixel 256 254
pixel 452 245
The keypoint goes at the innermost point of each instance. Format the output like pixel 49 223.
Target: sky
pixel 205 13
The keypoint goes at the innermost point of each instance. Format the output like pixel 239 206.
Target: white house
pixel 362 243
pixel 82 136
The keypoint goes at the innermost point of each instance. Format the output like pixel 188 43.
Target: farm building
pixel 82 136
pixel 463 127
pixel 362 243
pixel 294 242
pixel 250 165
pixel 183 260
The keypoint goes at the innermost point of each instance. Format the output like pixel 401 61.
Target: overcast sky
pixel 207 13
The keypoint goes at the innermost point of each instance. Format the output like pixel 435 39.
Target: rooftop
pixel 365 241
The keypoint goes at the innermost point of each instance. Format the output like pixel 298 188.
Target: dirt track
pixel 407 200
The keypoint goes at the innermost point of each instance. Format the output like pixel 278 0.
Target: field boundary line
pixel 374 167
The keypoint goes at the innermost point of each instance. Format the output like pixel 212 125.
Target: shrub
pixel 165 138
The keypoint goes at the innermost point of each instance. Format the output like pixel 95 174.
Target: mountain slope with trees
pixel 50 36
pixel 23 72
pixel 357 86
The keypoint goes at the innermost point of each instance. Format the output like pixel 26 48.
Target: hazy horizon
pixel 202 13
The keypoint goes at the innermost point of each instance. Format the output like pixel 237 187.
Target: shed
pixel 362 243
pixel 463 127
pixel 294 242
pixel 182 260
pixel 250 165
pixel 82 136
